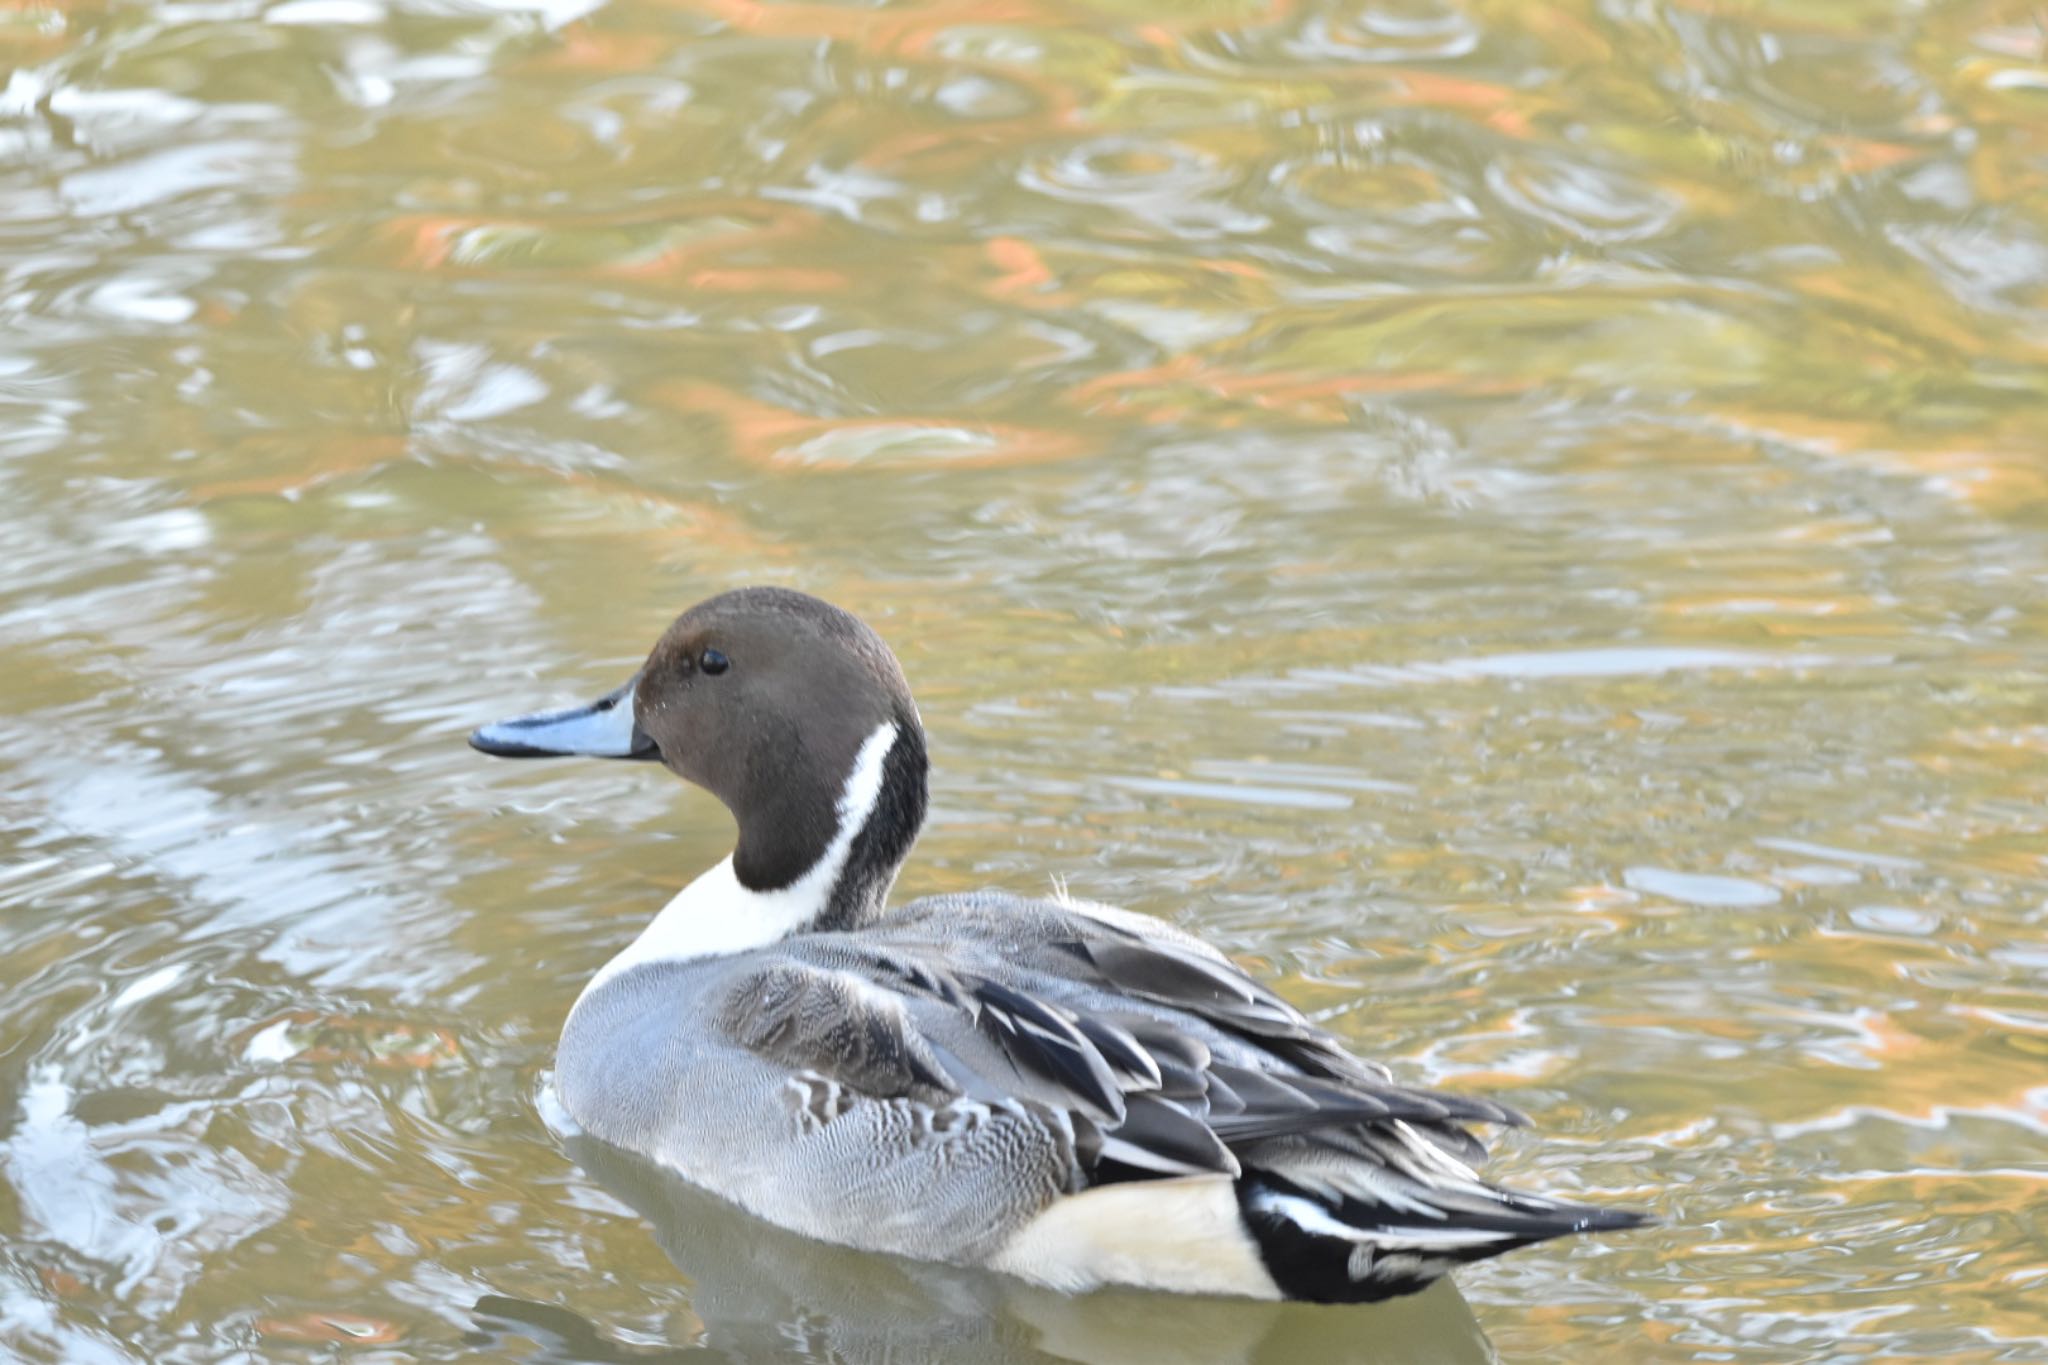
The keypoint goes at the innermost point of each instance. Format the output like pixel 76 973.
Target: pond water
pixel 1525 523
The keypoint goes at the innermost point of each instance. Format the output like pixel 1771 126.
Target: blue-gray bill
pixel 600 729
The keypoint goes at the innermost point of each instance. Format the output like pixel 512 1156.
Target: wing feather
pixel 836 1025
pixel 1043 1039
pixel 1167 1059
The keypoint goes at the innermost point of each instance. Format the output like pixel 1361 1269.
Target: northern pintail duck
pixel 1060 1090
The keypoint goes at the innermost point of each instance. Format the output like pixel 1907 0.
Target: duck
pixel 1067 1092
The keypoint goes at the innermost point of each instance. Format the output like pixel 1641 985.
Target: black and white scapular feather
pixel 1059 1090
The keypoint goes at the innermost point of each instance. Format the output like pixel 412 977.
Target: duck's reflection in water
pixel 766 1294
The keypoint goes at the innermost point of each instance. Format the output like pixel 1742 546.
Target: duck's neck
pixel 765 892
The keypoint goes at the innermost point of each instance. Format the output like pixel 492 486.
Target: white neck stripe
pixel 715 914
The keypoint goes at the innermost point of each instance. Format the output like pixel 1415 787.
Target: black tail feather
pixel 1350 1250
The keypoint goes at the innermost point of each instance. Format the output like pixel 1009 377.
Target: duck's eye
pixel 714 662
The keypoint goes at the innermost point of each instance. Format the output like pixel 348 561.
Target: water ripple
pixel 1522 522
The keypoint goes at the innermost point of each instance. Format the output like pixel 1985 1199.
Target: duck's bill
pixel 602 729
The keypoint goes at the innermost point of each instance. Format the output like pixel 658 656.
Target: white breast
pixel 716 914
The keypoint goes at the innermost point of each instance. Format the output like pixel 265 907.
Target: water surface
pixel 1526 523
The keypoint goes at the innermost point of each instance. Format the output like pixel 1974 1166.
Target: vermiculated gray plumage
pixel 930 1084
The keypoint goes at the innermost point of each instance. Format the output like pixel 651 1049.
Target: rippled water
pixel 1527 523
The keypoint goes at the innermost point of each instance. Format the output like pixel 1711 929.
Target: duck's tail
pixel 1385 1211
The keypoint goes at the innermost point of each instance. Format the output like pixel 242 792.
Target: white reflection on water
pixel 1231 791
pixel 1617 661
pixel 74 1188
pixel 242 865
pixel 1697 888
